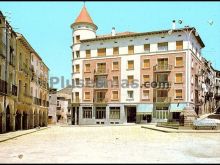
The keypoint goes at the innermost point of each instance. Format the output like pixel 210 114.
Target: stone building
pixel 18 109
pixel 52 111
pixel 133 77
pixel 8 84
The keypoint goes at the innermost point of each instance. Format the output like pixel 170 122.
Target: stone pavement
pixel 11 135
pixel 170 130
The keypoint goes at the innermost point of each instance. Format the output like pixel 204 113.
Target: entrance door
pixel 131 114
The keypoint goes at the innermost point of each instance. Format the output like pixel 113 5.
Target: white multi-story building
pixel 166 57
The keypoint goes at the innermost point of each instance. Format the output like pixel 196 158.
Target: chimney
pixel 113 31
pixel 174 25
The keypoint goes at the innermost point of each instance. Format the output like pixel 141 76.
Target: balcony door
pixel 101 81
pixel 100 96
pixel 101 67
pixel 162 77
pixel 162 62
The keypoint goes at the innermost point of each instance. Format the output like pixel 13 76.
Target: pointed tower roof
pixel 84 17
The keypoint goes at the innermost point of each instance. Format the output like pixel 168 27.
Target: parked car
pixel 205 123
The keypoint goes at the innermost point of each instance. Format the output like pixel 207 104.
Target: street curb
pixel 22 134
pixel 174 131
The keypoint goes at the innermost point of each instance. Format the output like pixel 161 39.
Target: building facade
pixel 17 105
pixel 133 77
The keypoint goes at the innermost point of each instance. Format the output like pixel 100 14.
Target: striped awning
pixel 144 109
pixel 177 108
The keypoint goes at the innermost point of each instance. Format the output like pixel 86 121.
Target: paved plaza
pixel 110 144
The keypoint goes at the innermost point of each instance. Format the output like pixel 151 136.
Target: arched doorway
pixel 18 123
pixel 8 119
pixel 31 120
pixel 36 119
pixel 25 121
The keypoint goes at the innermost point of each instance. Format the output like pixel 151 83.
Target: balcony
pixel 100 100
pixel 75 102
pixel 162 68
pixel 162 99
pixel 3 87
pixel 101 71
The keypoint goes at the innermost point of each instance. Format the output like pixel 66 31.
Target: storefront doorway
pixel 131 114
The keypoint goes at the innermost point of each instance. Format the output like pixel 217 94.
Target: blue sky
pixel 46 25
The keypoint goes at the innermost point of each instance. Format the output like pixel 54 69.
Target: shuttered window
pixel 115 95
pixel 77 39
pixel 179 45
pixel 77 68
pixel 130 79
pixel 179 61
pixel 146 94
pixel 115 51
pixel 102 52
pixel 179 93
pixel 130 65
pixel 131 49
pixel 147 47
pixel 87 67
pixel 115 65
pixel 88 53
pixel 179 77
pixel 146 63
pixel 146 78
pixel 87 95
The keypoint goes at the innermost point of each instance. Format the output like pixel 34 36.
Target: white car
pixel 205 123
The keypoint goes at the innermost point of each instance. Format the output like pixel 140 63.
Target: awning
pixel 177 108
pixel 144 109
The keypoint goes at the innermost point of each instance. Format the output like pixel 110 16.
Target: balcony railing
pixel 100 100
pixel 162 68
pixel 3 87
pixel 162 99
pixel 101 71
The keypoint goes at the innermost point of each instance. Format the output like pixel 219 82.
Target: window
pixel 73 54
pixel 77 81
pixel 163 46
pixel 114 95
pixel 100 112
pixel 115 65
pixel 77 96
pixel 162 77
pixel 146 94
pixel 179 61
pixel 87 112
pixel 88 53
pixel 146 78
pixel 101 67
pixel 114 113
pixel 179 94
pixel 102 52
pixel 130 79
pixel 87 82
pixel 77 68
pixel 78 39
pixel 146 47
pixel 87 67
pixel 146 63
pixel 162 63
pixel 179 78
pixel 77 54
pixel 87 96
pixel 179 45
pixel 130 65
pixel 115 80
pixel 130 94
pixel 115 51
pixel 162 93
pixel 131 49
